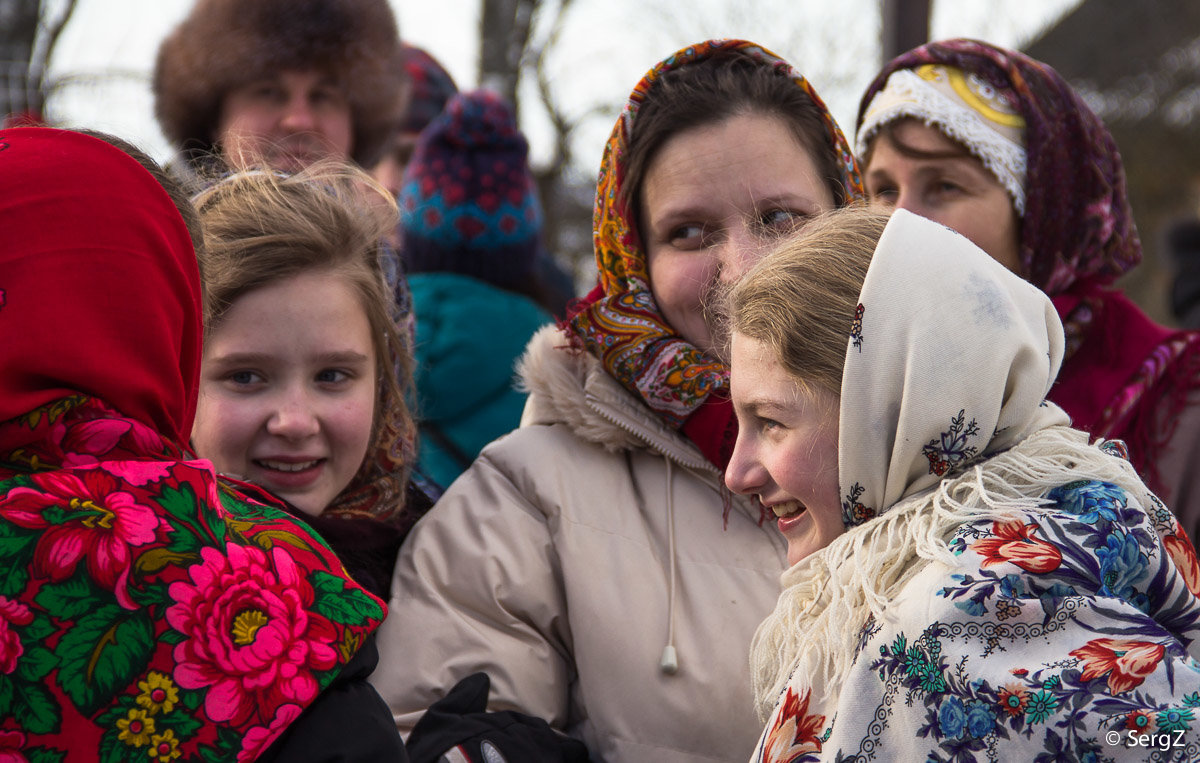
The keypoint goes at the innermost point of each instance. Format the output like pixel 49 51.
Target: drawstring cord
pixel 670 660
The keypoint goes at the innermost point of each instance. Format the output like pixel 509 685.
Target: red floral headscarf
pixel 619 322
pixel 147 611
pixel 82 245
pixel 1123 375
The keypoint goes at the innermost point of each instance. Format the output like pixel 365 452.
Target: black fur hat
pixel 225 43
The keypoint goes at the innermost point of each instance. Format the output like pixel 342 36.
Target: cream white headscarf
pixel 943 419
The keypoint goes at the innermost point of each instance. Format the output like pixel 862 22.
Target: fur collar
pixel 570 387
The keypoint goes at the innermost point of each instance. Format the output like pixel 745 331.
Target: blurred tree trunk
pixel 503 37
pixel 29 29
pixel 905 26
pixel 516 38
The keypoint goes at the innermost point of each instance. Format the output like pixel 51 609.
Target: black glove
pixel 458 729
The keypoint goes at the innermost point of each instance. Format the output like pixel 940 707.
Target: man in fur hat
pixel 281 82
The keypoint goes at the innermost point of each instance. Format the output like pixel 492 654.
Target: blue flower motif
pixel 1012 586
pixel 1090 501
pixel 1121 565
pixel 972 607
pixel 952 718
pixel 980 720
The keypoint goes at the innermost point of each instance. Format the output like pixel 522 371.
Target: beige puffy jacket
pixel 548 564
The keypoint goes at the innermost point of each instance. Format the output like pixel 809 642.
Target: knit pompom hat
pixel 223 44
pixel 468 203
pixel 430 85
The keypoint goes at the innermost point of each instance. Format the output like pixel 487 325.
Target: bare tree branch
pixel 49 39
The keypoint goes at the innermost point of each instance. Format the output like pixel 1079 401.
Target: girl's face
pixel 714 197
pixel 288 387
pixel 914 166
pixel 787 448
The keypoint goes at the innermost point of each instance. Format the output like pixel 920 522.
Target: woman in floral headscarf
pixel 147 611
pixel 972 579
pixel 1000 148
pixel 590 562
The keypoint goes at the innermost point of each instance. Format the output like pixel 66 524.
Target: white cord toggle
pixel 670 661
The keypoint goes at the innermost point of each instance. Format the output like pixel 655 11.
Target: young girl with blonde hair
pixel 971 578
pixel 304 379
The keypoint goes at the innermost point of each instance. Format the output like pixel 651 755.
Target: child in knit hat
pixel 471 227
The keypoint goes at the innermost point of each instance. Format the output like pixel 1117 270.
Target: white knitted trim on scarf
pixel 907 95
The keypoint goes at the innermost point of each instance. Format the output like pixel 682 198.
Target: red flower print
pixel 86 443
pixel 794 732
pixel 1014 542
pixel 11 745
pixel 250 639
pixel 1184 555
pixel 102 524
pixel 1127 663
pixel 1013 699
pixel 11 613
pixel 260 738
pixel 1141 722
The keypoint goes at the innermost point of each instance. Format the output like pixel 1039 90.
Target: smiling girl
pixel 303 374
pixel 953 541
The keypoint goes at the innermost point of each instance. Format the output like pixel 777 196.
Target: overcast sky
pixel 105 55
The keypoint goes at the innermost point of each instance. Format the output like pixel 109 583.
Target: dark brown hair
pixel 712 90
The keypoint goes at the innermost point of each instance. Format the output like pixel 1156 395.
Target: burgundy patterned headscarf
pixel 1077 236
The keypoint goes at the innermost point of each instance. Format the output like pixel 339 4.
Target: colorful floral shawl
pixel 1125 377
pixel 1004 590
pixel 146 610
pixel 619 321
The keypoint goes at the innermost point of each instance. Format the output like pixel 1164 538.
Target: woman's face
pixel 287 389
pixel 787 448
pixel 914 166
pixel 714 197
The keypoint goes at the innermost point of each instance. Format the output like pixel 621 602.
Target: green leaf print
pixel 70 599
pixel 181 505
pixel 44 755
pixel 102 654
pixel 36 663
pixel 342 605
pixel 35 709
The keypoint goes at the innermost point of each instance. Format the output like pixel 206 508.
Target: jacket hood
pixel 569 386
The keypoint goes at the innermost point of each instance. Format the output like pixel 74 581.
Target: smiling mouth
pixel 283 466
pixel 788 509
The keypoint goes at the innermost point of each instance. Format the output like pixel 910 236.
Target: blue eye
pixel 243 378
pixel 332 376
